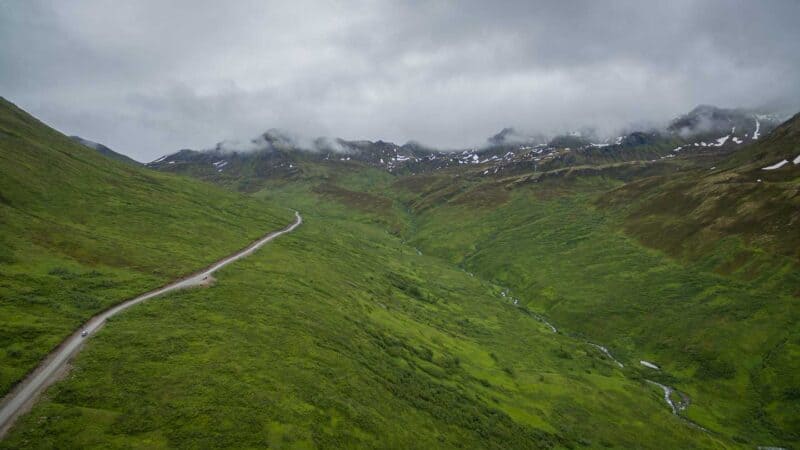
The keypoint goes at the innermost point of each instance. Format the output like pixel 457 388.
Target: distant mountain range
pixel 705 130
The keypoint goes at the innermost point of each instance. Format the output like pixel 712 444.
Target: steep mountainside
pixel 710 121
pixel 80 232
pixel 753 195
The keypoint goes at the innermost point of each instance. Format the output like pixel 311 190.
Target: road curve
pixel 26 392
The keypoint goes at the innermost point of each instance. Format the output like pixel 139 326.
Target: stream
pixel 675 406
pixel 607 353
pixel 682 404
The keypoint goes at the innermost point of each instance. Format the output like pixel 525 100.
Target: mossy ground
pixel 340 335
pixel 80 232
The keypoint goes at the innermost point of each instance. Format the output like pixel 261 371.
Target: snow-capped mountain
pixel 706 130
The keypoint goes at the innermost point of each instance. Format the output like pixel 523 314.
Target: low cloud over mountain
pixel 150 77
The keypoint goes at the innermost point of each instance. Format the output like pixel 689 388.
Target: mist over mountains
pixel 701 121
pixel 150 78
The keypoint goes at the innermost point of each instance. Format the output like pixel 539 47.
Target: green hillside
pixel 695 269
pixel 689 266
pixel 341 336
pixel 712 334
pixel 682 263
pixel 415 311
pixel 689 213
pixel 80 232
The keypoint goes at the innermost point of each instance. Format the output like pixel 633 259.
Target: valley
pixel 371 342
pixel 317 225
pixel 604 297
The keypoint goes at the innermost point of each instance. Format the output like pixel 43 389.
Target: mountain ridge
pixel 105 150
pixel 275 154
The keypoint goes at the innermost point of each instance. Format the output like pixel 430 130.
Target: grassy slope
pixel 80 232
pixel 720 317
pixel 685 215
pixel 727 340
pixel 339 335
pixel 718 311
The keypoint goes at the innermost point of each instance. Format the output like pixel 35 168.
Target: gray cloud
pixel 150 77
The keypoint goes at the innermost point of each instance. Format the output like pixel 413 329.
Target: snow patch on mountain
pixel 777 165
pixel 649 365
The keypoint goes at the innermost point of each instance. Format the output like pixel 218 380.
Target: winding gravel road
pixel 22 397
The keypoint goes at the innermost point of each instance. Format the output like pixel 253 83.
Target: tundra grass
pixel 80 232
pixel 728 339
pixel 338 335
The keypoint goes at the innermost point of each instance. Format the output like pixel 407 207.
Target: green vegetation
pixel 716 322
pixel 80 232
pixel 717 311
pixel 338 335
pixel 407 310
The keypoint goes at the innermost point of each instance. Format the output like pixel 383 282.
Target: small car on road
pixel 84 333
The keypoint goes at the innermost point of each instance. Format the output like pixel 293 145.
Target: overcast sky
pixel 150 77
